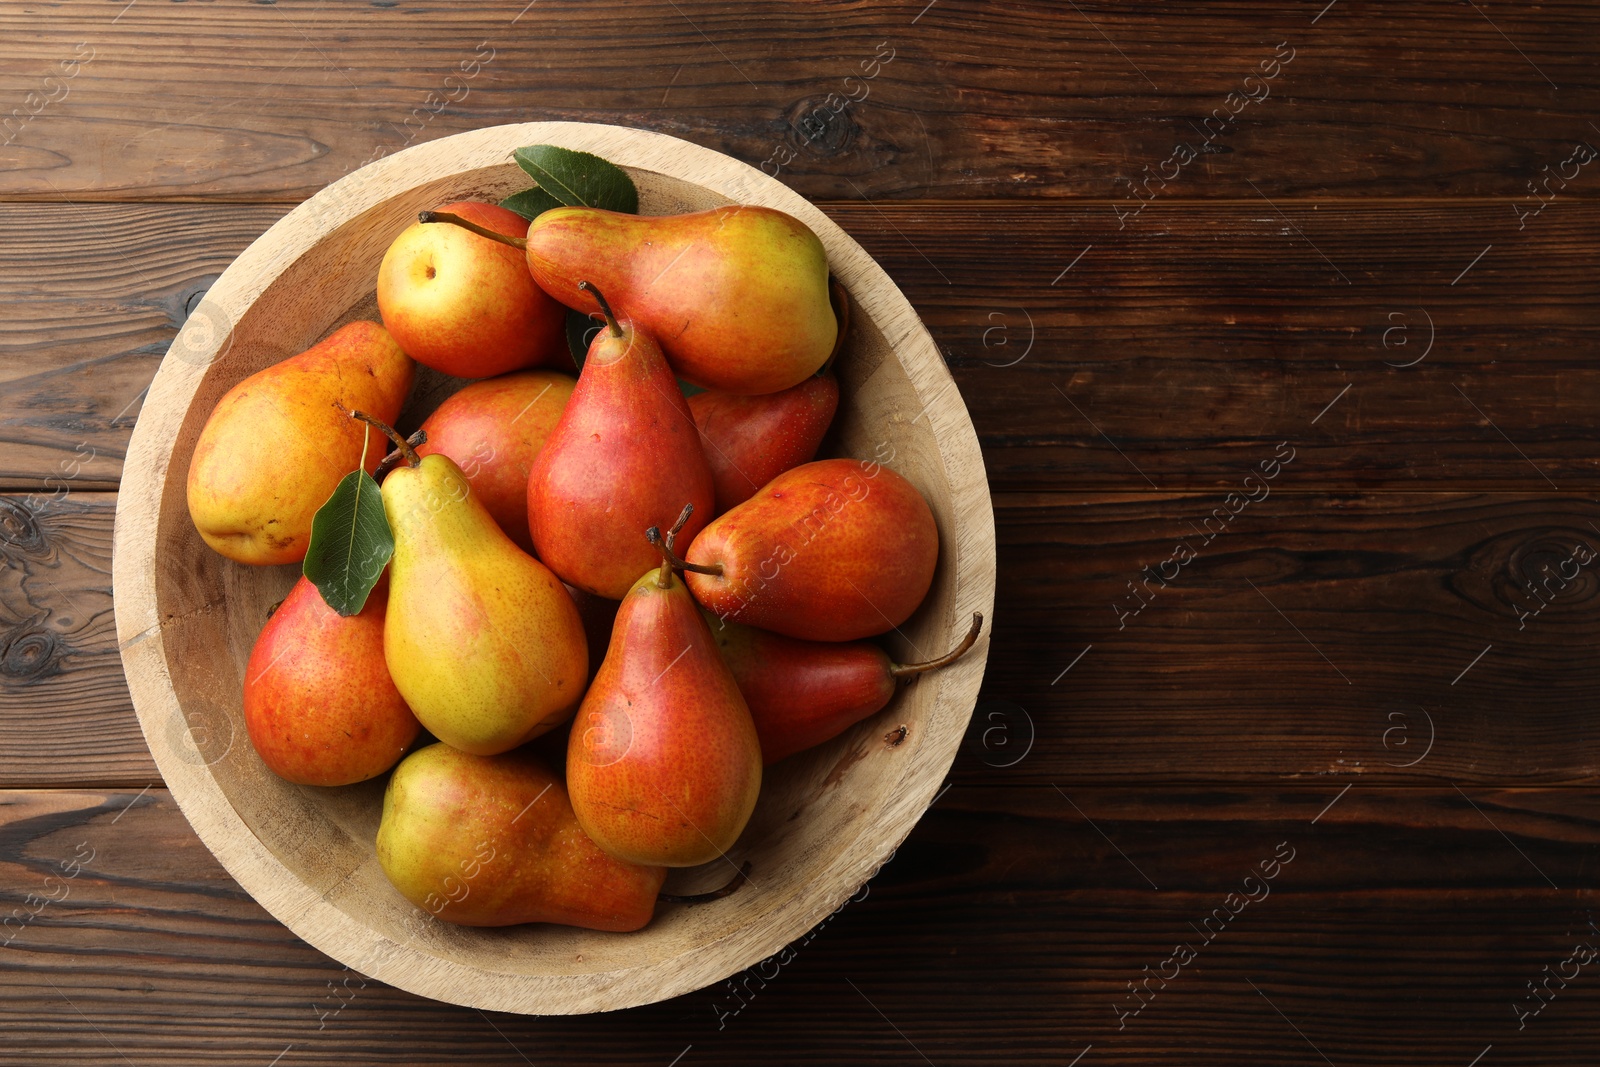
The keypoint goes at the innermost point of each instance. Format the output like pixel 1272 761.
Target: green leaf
pixel 350 544
pixel 579 179
pixel 530 203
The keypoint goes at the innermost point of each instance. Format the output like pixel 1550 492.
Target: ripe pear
pixel 277 443
pixel 492 841
pixel 482 640
pixel 466 305
pixel 737 296
pixel 624 456
pixel 750 440
pixel 802 693
pixel 833 550
pixel 663 762
pixel 493 430
pixel 319 704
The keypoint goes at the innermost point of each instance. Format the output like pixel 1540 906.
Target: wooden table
pixel 1308 291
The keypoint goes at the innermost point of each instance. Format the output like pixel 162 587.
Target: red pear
pixel 663 762
pixel 750 440
pixel 802 693
pixel 319 704
pixel 832 550
pixel 494 430
pixel 624 456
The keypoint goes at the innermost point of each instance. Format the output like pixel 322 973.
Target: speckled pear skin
pixel 481 638
pixel 492 841
pixel 663 762
pixel 278 442
pixel 624 456
pixel 750 440
pixel 833 550
pixel 737 296
pixel 319 704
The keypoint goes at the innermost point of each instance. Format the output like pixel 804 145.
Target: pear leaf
pixel 351 543
pixel 579 179
pixel 530 203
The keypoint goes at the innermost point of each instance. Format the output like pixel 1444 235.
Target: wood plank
pixel 1336 636
pixel 91 296
pixel 1178 350
pixel 1397 925
pixel 1208 684
pixel 1023 99
pixel 65 715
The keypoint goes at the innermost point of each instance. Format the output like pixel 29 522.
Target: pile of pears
pixel 675 582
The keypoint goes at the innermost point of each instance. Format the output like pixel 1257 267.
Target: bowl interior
pixel 817 809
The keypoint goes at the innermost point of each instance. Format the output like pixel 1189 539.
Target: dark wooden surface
pixel 1354 669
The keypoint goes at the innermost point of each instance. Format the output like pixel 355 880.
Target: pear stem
pixel 669 559
pixel 716 894
pixel 605 306
pixel 412 459
pixel 468 224
pixel 392 460
pixel 906 670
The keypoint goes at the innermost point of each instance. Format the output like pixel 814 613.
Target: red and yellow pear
pixel 832 550
pixel 624 456
pixel 466 305
pixel 319 704
pixel 494 430
pixel 663 762
pixel 277 443
pixel 481 638
pixel 492 841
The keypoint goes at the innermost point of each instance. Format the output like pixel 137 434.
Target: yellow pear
pixel 482 640
pixel 277 443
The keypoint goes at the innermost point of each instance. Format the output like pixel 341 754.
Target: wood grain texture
pixel 64 710
pixel 1191 341
pixel 1208 684
pixel 1026 99
pixel 1398 925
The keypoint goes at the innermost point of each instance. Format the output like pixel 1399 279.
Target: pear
pixel 663 763
pixel 482 640
pixel 492 841
pixel 278 442
pixel 466 306
pixel 624 456
pixel 494 429
pixel 737 296
pixel 802 693
pixel 750 440
pixel 319 704
pixel 832 550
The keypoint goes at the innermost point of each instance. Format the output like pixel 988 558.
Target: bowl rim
pixel 969 552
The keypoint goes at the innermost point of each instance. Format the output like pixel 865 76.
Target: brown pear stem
pixel 605 306
pixel 716 894
pixel 412 459
pixel 468 224
pixel 670 561
pixel 906 670
pixel 392 460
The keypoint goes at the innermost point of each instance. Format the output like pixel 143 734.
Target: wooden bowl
pixel 187 618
